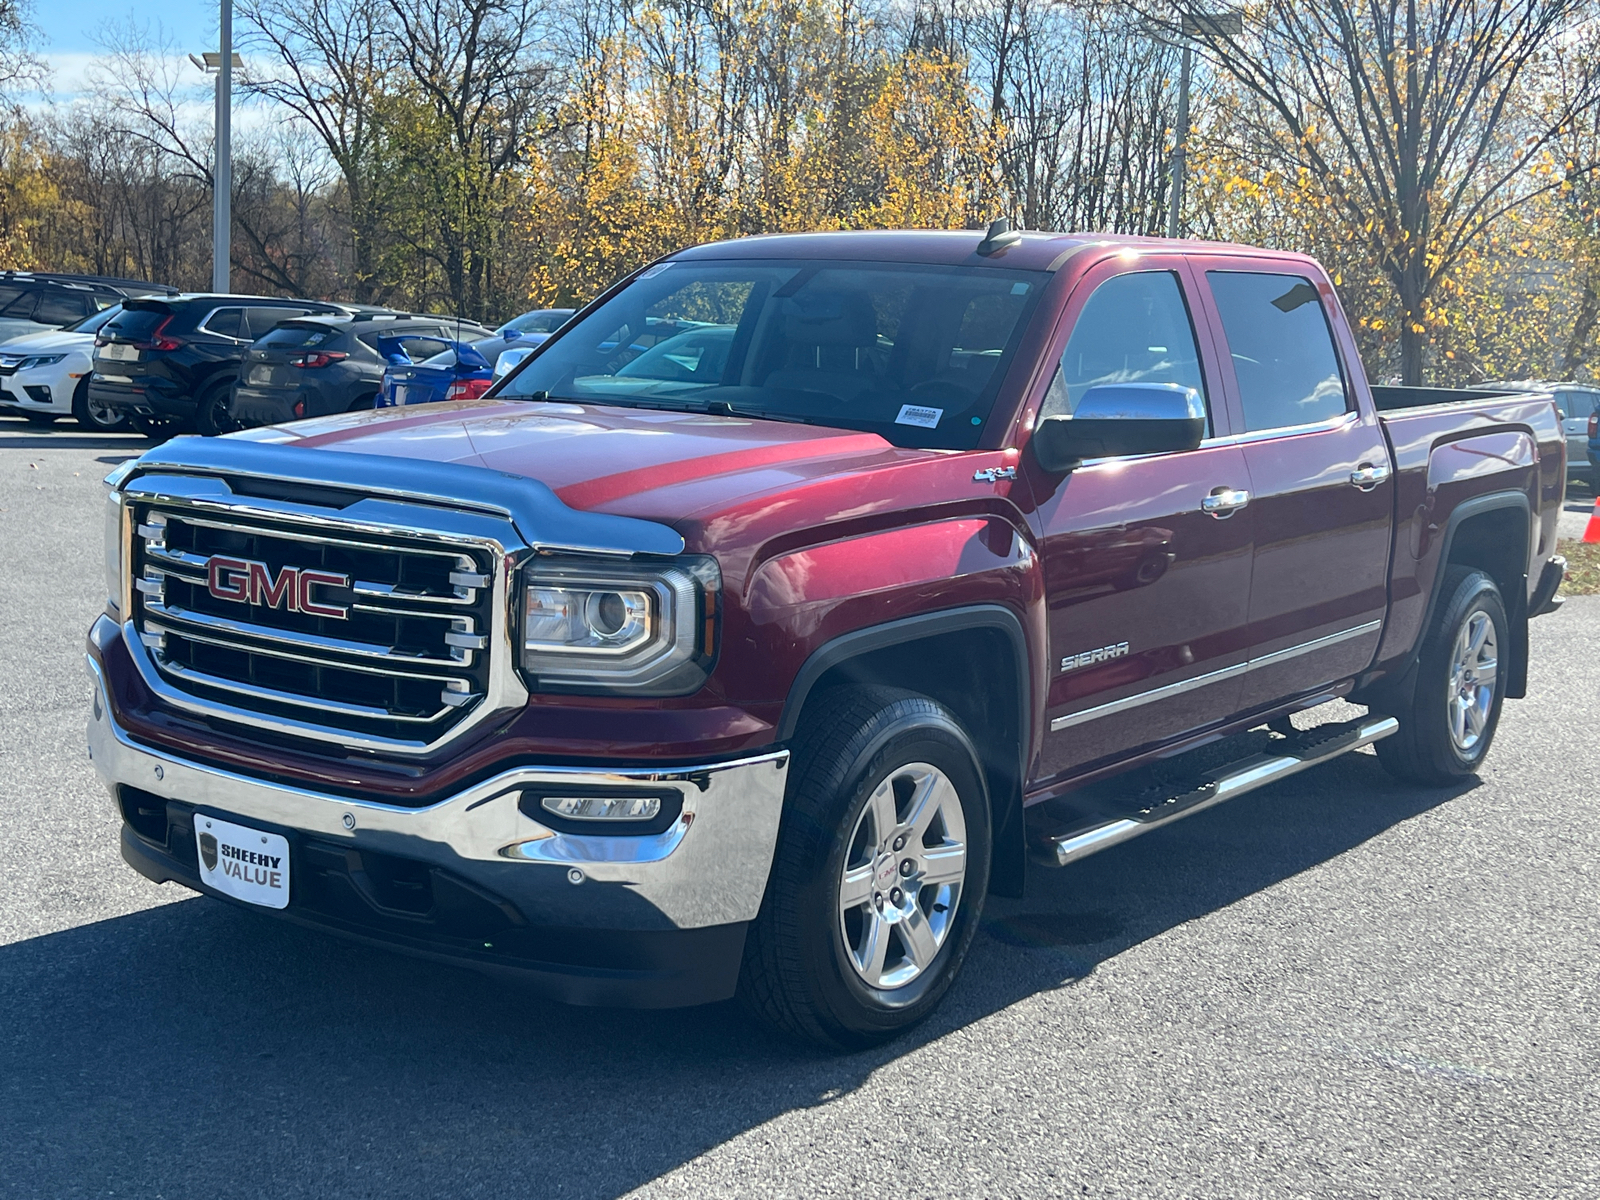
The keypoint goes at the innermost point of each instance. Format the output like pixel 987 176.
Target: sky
pixel 67 30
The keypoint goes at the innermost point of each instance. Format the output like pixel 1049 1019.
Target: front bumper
pixel 652 920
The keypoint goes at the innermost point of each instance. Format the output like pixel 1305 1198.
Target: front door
pixel 1320 487
pixel 1147 591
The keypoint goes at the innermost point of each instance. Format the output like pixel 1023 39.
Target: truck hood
pixel 666 466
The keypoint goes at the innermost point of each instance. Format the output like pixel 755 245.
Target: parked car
pixel 1577 402
pixel 761 679
pixel 45 376
pixel 531 328
pixel 169 363
pixel 313 366
pixel 457 370
pixel 36 302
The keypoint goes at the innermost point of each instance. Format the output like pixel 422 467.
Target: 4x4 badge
pixel 248 582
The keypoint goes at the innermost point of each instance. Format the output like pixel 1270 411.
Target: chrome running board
pixel 1311 748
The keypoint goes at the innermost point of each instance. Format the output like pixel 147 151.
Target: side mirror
pixel 509 359
pixel 1116 419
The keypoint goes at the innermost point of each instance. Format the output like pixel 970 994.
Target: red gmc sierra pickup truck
pixel 797 594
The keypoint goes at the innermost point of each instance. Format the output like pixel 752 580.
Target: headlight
pixel 635 628
pixel 39 360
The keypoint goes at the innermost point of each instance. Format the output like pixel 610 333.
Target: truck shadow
pixel 170 1049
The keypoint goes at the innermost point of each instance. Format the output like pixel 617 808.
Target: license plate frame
pixel 243 862
pixel 119 352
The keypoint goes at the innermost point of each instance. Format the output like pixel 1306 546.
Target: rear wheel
pixel 96 414
pixel 211 415
pixel 1449 722
pixel 880 872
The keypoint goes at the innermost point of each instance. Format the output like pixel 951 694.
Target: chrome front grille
pixel 389 641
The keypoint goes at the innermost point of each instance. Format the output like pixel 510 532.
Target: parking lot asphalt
pixel 1338 986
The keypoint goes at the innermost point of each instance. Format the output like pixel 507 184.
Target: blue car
pixel 531 328
pixel 459 372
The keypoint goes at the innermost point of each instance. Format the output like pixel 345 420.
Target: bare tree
pixel 1414 116
pixel 329 62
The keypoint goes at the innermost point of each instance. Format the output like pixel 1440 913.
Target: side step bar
pixel 1315 746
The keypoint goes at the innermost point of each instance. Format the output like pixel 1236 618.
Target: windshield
pixel 92 323
pixel 911 352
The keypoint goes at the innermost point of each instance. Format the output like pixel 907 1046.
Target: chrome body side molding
pixel 1199 681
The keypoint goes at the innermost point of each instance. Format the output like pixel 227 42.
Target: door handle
pixel 1224 502
pixel 1366 476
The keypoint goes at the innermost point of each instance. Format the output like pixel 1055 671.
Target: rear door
pixel 1320 484
pixel 1147 592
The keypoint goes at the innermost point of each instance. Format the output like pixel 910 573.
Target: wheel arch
pixel 1492 533
pixel 974 661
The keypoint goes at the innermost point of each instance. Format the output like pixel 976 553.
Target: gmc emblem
pixel 247 582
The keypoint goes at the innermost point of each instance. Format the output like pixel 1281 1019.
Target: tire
pixel 363 403
pixel 1449 721
pixel 211 415
pixel 811 965
pixel 100 418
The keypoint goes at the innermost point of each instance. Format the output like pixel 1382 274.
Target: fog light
pixel 603 808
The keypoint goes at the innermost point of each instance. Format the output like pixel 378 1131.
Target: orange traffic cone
pixel 1592 532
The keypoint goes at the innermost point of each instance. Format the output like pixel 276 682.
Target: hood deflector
pixel 537 512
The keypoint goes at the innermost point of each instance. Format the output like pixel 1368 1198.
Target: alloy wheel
pixel 903 874
pixel 1473 671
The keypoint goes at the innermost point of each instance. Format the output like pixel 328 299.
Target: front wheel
pixel 879 877
pixel 1450 720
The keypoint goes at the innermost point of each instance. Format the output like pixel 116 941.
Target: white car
pixel 44 376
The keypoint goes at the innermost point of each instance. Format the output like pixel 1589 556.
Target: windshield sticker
pixel 915 414
pixel 655 270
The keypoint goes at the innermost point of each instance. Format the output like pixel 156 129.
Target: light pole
pixel 1218 24
pixel 223 63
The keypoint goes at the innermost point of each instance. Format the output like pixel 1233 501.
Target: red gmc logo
pixel 249 582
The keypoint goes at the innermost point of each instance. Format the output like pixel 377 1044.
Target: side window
pixel 227 322
pixel 61 308
pixel 1281 347
pixel 22 306
pixel 1135 328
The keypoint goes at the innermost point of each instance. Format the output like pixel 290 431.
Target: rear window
pixel 264 318
pixel 293 337
pixel 136 322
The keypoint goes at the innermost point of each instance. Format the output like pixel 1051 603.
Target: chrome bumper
pixel 709 868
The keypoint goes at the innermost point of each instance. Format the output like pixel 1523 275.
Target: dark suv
pixel 33 303
pixel 168 362
pixel 314 366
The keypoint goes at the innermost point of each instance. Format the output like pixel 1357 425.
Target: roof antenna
pixel 1000 236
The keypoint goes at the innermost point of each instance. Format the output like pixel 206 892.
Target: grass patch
pixel 1583 568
